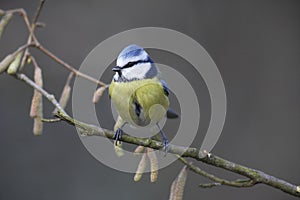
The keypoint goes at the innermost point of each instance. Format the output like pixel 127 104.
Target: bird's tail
pixel 171 114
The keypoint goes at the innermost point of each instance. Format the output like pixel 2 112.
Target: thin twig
pixel 31 30
pixel 50 97
pixel 23 13
pixel 50 120
pixel 38 12
pixel 220 181
pixel 69 67
pixel 209 185
pixel 236 182
pixel 32 38
pixel 34 61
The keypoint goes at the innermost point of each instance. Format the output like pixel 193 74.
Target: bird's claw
pixel 118 135
pixel 165 146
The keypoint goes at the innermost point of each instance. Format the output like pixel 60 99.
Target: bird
pixel 138 93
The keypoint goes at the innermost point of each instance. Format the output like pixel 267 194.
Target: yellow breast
pixel 147 93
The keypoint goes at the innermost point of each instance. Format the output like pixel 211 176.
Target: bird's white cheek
pixel 137 71
pixel 128 73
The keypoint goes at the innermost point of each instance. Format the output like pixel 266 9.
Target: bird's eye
pixel 130 64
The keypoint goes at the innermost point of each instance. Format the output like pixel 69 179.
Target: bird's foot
pixel 117 136
pixel 165 145
pixel 164 140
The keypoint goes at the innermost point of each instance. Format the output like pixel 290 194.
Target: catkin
pixel 14 65
pixel 178 184
pixel 153 165
pixel 141 168
pixel 36 110
pixel 138 150
pixel 98 93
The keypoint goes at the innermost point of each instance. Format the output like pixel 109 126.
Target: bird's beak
pixel 116 69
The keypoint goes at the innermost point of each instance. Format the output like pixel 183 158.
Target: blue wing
pixel 165 87
pixel 171 114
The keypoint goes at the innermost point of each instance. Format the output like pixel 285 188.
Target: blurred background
pixel 256 48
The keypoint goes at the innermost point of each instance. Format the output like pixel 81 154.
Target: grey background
pixel 254 44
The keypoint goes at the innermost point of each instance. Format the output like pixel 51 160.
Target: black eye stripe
pixel 130 64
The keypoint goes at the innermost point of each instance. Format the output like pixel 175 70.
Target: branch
pixel 38 12
pixel 50 97
pixel 218 181
pixel 255 176
pixel 32 27
pixel 34 41
pixel 69 67
pixel 23 13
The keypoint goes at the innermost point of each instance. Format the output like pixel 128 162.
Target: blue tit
pixel 138 94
